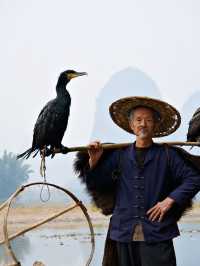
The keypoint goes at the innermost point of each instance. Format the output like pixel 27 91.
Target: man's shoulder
pixel 170 151
pixel 125 148
pixel 164 146
pixel 178 153
pixel 161 147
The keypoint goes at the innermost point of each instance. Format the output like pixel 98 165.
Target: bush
pixel 13 173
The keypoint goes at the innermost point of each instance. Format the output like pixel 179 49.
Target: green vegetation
pixel 13 173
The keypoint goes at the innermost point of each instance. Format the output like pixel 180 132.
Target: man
pixel 153 185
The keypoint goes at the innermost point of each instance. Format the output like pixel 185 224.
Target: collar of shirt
pixel 131 152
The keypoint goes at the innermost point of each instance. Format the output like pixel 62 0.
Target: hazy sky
pixel 39 39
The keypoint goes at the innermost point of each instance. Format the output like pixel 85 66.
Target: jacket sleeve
pixel 102 176
pixel 186 176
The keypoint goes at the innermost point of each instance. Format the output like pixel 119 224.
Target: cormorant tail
pixel 36 152
pixel 26 154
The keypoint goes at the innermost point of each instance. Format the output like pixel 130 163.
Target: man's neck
pixel 143 143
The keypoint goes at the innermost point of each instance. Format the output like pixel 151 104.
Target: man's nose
pixel 143 122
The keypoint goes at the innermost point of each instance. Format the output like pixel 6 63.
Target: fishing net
pixel 44 224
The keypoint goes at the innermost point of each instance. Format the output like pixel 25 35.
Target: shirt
pixel 139 189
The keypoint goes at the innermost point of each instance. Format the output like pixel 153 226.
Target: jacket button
pixel 139 177
pixel 138 197
pixel 139 187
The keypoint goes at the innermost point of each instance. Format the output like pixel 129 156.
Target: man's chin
pixel 144 136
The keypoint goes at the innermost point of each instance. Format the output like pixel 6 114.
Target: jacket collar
pixel 131 152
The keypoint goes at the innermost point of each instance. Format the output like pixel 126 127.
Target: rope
pixel 43 174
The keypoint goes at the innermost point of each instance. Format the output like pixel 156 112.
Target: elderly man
pixel 153 185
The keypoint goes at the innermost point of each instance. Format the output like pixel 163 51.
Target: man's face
pixel 143 122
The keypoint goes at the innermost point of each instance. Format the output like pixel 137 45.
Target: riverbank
pixel 23 217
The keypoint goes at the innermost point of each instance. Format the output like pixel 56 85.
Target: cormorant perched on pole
pixel 52 120
pixel 194 127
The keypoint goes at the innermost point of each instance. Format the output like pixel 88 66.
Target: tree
pixel 13 173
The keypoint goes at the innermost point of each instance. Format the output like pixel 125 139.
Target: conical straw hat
pixel 170 118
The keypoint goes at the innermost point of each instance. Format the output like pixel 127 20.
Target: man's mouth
pixel 142 132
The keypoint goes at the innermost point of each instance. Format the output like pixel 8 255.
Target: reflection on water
pixel 70 247
pixel 187 245
pixel 21 246
pixel 54 247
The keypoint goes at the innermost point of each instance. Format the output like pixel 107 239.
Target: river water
pixel 70 247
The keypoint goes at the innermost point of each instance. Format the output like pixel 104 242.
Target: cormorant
pixel 52 121
pixel 194 127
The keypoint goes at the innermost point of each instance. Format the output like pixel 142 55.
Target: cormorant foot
pixel 47 152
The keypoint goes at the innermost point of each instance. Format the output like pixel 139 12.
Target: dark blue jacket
pixel 165 174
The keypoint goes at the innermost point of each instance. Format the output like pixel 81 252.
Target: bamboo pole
pixel 40 223
pixel 3 205
pixel 123 145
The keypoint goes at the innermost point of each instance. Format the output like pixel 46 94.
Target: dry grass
pixel 23 217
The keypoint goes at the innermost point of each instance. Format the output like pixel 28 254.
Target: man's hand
pixel 95 151
pixel 160 209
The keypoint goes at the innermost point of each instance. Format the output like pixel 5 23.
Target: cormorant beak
pixel 81 74
pixel 77 74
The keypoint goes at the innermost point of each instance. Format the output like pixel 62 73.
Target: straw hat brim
pixel 170 118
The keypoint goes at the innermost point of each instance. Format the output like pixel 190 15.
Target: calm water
pixel 70 247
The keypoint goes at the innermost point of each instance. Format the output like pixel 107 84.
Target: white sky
pixel 39 39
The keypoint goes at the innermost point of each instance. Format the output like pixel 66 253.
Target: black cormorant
pixel 52 120
pixel 194 127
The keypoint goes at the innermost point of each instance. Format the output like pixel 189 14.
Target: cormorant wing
pixel 51 124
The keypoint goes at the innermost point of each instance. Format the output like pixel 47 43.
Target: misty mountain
pixel 128 82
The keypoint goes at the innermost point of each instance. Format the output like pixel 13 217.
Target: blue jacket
pixel 139 189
